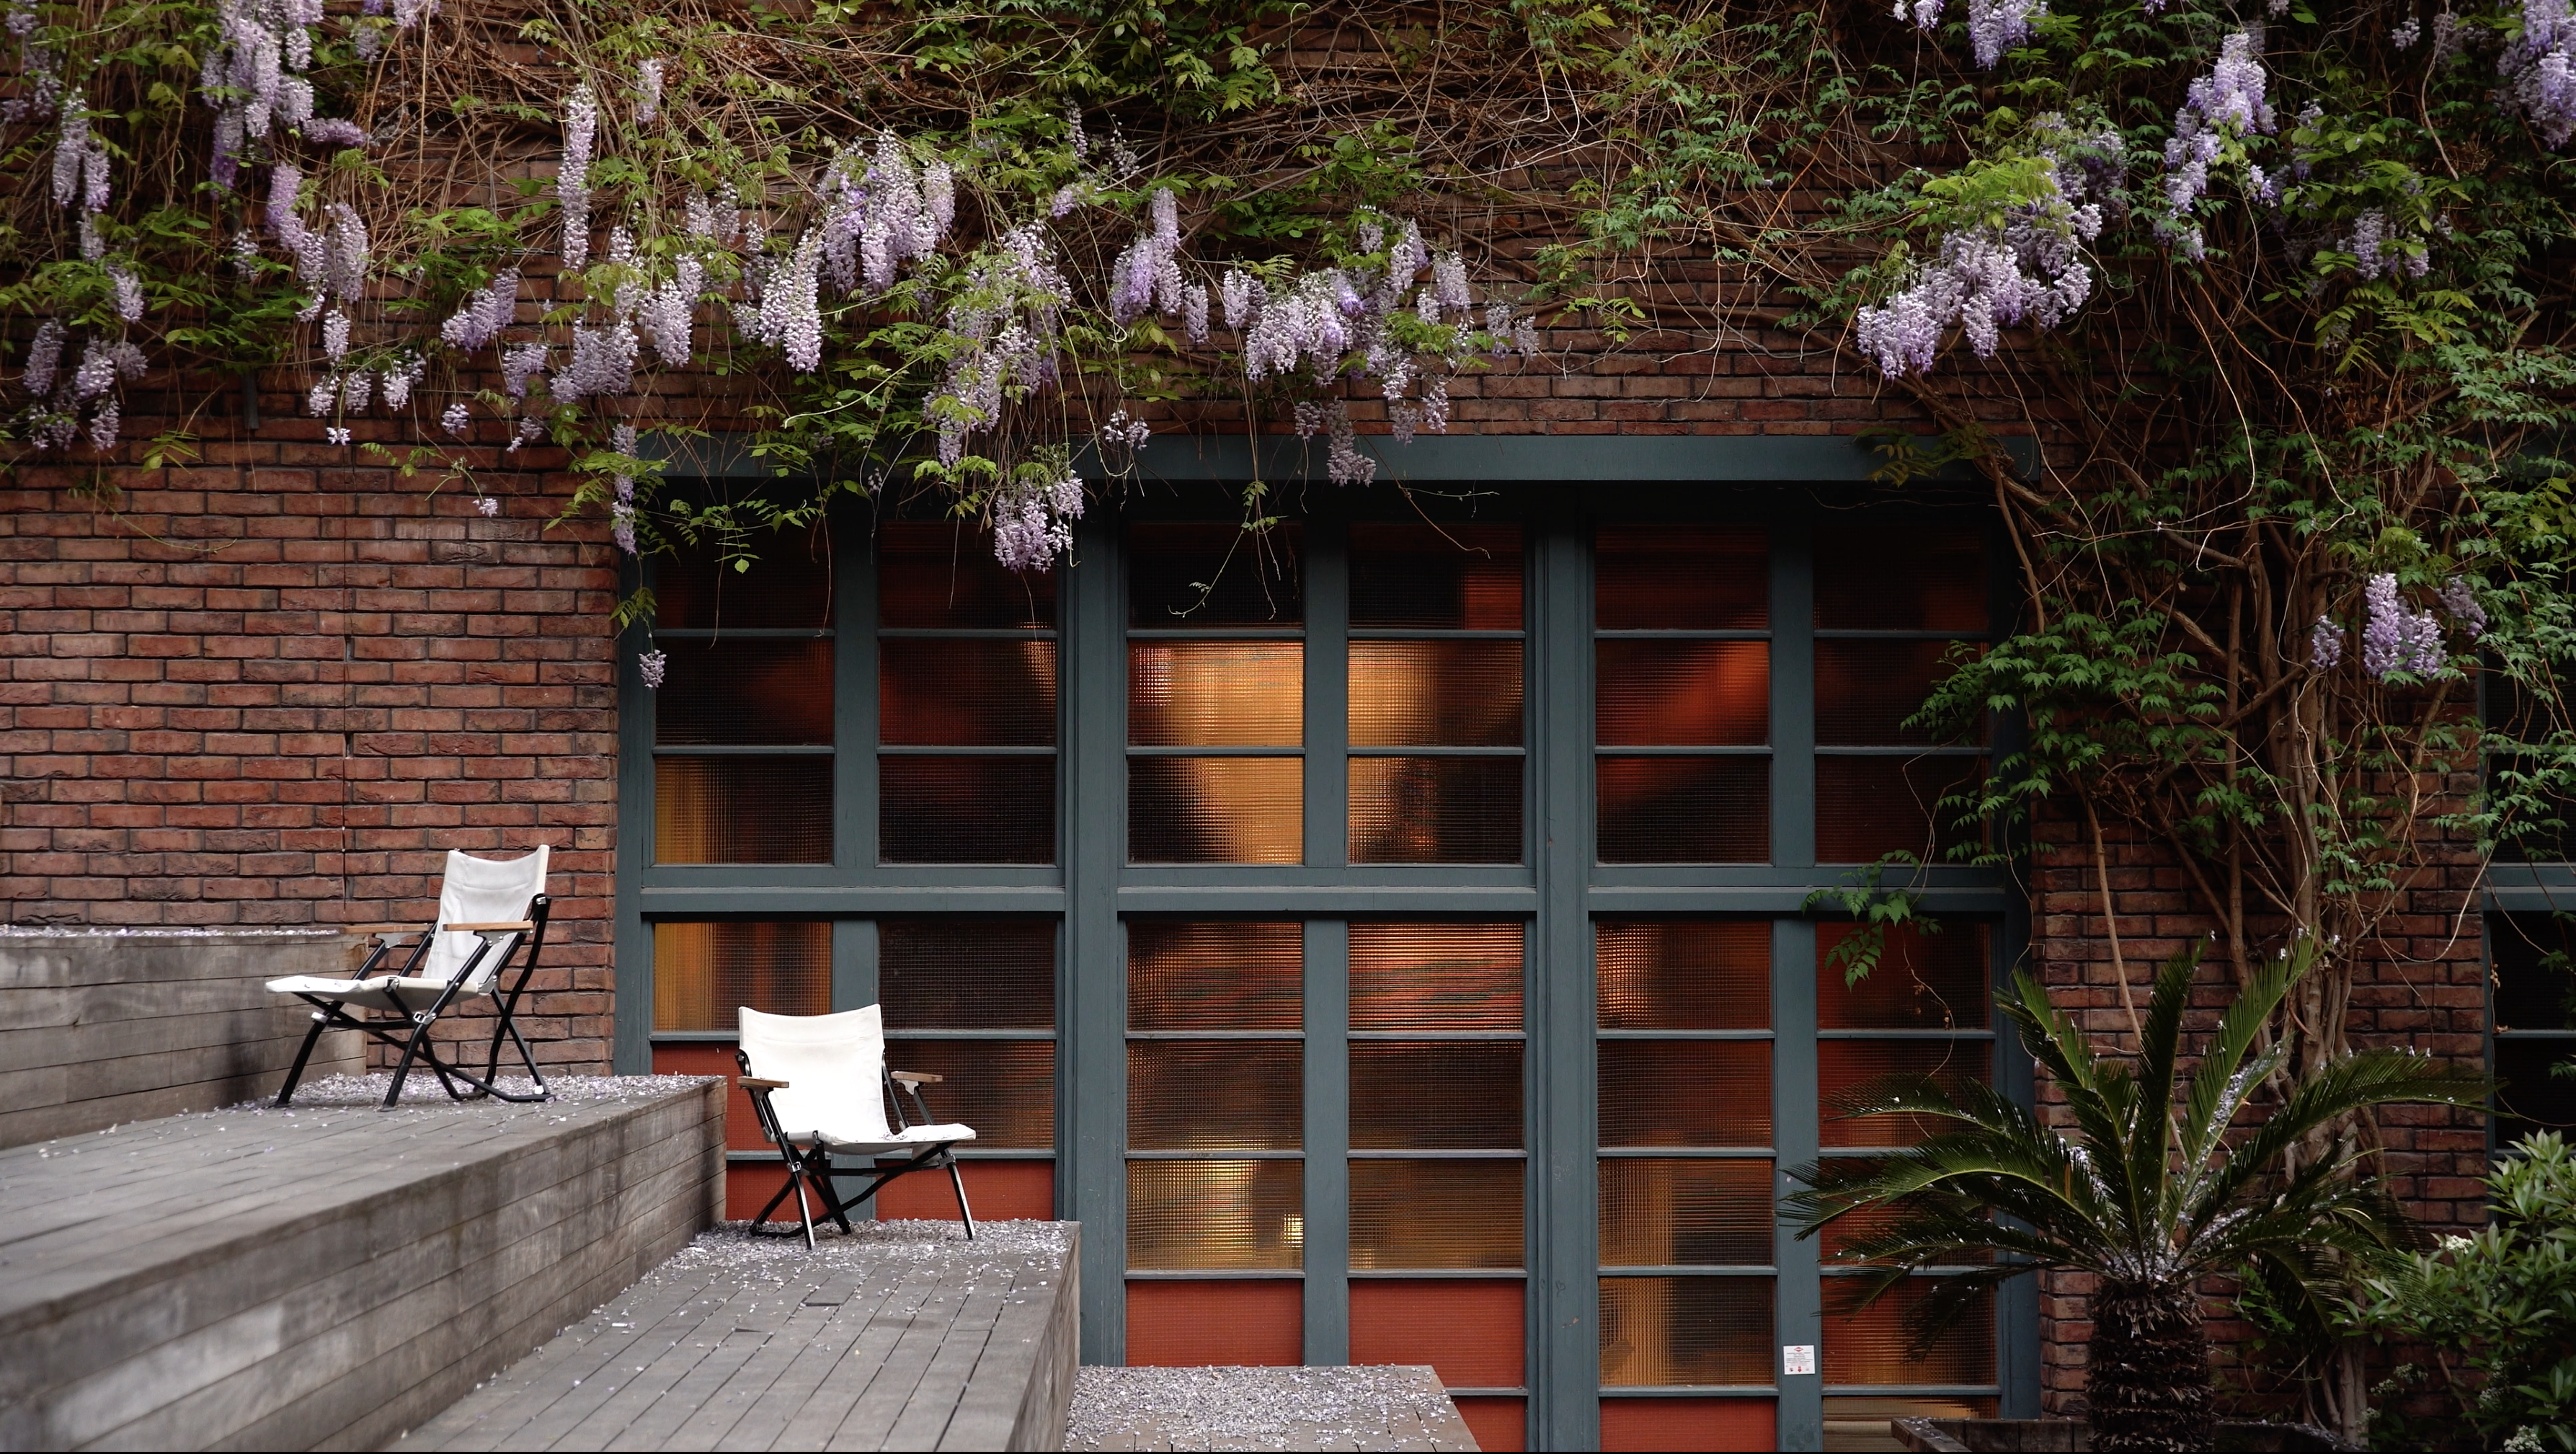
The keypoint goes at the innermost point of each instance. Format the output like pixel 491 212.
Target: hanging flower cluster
pixel 2539 72
pixel 1994 26
pixel 1033 524
pixel 2226 105
pixel 2030 268
pixel 2397 638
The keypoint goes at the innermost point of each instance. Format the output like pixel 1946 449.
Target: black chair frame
pixel 411 1034
pixel 812 1165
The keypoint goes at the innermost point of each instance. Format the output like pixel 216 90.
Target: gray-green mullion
pixel 1091 1104
pixel 1328 719
pixel 2017 1323
pixel 1327 1139
pixel 854 671
pixel 631 968
pixel 854 986
pixel 1563 1224
pixel 1793 695
pixel 1798 1317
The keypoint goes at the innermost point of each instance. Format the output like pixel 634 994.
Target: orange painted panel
pixel 700 1057
pixel 748 1185
pixel 998 1190
pixel 1196 1323
pixel 1469 1329
pixel 1497 1423
pixel 1688 1423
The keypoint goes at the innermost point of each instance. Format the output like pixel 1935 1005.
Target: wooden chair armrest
pixel 753 1082
pixel 519 926
pixel 915 1077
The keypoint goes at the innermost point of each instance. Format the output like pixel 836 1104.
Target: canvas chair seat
pixel 489 910
pixel 827 1074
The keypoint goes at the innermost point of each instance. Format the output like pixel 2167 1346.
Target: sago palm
pixel 2150 1192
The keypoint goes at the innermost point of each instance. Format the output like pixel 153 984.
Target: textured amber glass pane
pixel 1870 1346
pixel 738 693
pixel 1683 693
pixel 2535 976
pixel 1913 577
pixel 1865 690
pixel 966 973
pixel 1685 809
pixel 966 692
pixel 1420 1215
pixel 1857 1424
pixel 1435 810
pixel 1867 806
pixel 1215 1215
pixel 1005 1089
pixel 1454 577
pixel 1216 809
pixel 1660 1331
pixel 1852 1228
pixel 1221 976
pixel 1436 976
pixel 1684 974
pixel 788 585
pixel 1922 981
pixel 966 809
pixel 1685 1093
pixel 742 809
pixel 1215 1095
pixel 2534 1097
pixel 1680 1212
pixel 931 576
pixel 1214 575
pixel 1681 578
pixel 1216 693
pixel 1440 1095
pixel 1435 693
pixel 703 973
pixel 1844 1067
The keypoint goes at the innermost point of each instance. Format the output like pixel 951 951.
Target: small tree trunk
pixel 2146 1375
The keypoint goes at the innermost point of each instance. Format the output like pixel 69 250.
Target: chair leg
pixel 958 1180
pixel 295 1073
pixel 832 1196
pixel 402 1067
pixel 803 1211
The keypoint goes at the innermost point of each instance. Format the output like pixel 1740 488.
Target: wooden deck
pixel 902 1336
pixel 332 1275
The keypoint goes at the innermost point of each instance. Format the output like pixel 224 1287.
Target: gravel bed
pixel 348 1092
pixel 1255 1408
pixel 773 1257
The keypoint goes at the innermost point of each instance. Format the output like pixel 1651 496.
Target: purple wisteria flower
pixel 1033 524
pixel 456 418
pixel 2395 638
pixel 2325 644
pixel 648 89
pixel 2461 601
pixel 572 179
pixel 1994 26
pixel 486 311
pixel 488 506
pixel 650 665
pixel 2539 70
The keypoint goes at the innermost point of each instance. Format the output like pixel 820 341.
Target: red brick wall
pixel 275 688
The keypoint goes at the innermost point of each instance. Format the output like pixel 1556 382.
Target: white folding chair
pixel 487 909
pixel 820 1087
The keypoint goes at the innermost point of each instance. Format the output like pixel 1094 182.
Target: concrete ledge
pixel 329 1275
pixel 100 1027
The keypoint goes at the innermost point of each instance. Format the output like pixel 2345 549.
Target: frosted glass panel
pixel 1867 806
pixel 1221 976
pixel 1919 576
pixel 1685 1093
pixel 966 692
pixel 1435 694
pixel 1215 1215
pixel 742 809
pixel 1216 693
pixel 2534 1096
pixel 1866 690
pixel 745 694
pixel 1005 1089
pixel 1213 574
pixel 1683 693
pixel 2535 977
pixel 1455 577
pixel 1423 1215
pixel 1662 1331
pixel 943 575
pixel 1435 809
pixel 1674 578
pixel 1216 809
pixel 703 973
pixel 1685 809
pixel 1869 1347
pixel 1436 1095
pixel 1436 976
pixel 1922 982
pixel 1684 974
pixel 788 586
pixel 1844 1067
pixel 966 973
pixel 1683 1211
pixel 1214 1095
pixel 966 809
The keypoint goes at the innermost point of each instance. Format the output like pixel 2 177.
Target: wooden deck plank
pixel 767 1424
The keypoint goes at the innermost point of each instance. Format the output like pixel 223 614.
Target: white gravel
pixel 1257 1408
pixel 344 1092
